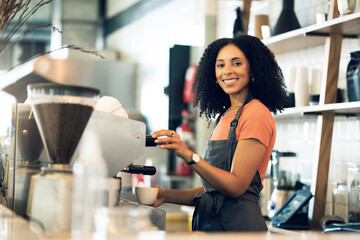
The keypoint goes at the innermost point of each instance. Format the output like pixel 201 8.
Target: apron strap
pixel 234 122
pixel 232 134
pixel 217 121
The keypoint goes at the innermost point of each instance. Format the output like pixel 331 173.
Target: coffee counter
pixel 14 227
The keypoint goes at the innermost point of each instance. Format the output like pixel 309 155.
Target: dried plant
pixel 96 53
pixel 14 14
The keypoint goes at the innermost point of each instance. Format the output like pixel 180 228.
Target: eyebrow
pixel 235 58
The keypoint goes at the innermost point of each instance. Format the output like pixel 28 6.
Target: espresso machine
pixel 63 115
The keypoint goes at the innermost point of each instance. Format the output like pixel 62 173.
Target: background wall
pixel 147 40
pixel 183 21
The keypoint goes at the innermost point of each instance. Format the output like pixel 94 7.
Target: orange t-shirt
pixel 256 121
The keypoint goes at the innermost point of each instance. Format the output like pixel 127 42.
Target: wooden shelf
pixel 330 34
pixel 313 35
pixel 346 109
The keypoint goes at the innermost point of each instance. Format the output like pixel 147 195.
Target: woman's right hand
pixel 170 140
pixel 160 199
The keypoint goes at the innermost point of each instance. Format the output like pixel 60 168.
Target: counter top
pixel 14 227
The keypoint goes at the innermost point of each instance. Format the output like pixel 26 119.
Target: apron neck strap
pixel 234 122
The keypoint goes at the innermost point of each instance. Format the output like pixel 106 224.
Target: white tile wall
pixel 297 135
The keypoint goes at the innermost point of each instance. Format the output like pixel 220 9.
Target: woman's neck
pixel 236 103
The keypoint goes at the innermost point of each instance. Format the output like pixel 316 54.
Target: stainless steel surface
pixel 21 189
pixel 25 157
pixel 122 140
pixel 112 78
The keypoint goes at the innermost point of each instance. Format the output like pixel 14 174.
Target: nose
pixel 228 70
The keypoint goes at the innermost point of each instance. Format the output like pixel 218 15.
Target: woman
pixel 239 81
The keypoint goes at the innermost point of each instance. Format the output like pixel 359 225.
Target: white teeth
pixel 229 81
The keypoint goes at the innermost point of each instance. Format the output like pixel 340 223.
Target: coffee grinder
pixel 61 113
pixel 29 147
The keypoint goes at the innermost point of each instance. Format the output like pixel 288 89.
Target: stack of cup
pixel 315 86
pixel 302 95
pixel 290 84
pixel 261 21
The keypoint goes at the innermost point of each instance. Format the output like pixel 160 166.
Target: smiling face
pixel 232 71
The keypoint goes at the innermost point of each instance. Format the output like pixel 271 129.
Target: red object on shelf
pixel 189 81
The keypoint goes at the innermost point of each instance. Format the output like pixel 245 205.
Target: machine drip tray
pixel 157 215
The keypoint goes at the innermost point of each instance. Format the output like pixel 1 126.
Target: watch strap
pixel 194 159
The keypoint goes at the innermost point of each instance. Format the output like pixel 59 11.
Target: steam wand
pixel 139 169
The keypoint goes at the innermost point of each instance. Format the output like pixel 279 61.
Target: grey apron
pixel 215 211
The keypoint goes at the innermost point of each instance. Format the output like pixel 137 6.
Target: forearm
pixel 246 161
pixel 223 181
pixel 182 197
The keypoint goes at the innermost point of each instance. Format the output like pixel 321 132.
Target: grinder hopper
pixel 61 113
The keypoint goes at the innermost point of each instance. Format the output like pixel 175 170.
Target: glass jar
pixel 340 201
pixel 353 185
pixel 124 220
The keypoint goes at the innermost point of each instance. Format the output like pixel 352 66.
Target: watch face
pixel 195 157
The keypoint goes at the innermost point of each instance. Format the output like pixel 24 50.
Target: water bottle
pixel 353 188
pixel 89 188
pixel 340 201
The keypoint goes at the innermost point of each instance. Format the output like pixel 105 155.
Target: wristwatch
pixel 195 158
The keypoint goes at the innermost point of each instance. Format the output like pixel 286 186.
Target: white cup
pixel 265 31
pixel 290 80
pixel 260 20
pixel 320 18
pixel 146 195
pixel 302 95
pixel 316 76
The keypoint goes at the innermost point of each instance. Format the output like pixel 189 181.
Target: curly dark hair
pixel 268 85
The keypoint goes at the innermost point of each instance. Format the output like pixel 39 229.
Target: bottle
pixel 353 188
pixel 340 200
pixel 89 187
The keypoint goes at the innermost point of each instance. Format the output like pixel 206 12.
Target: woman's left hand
pixel 170 140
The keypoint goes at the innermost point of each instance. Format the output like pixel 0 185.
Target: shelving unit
pixel 314 35
pixel 330 34
pixel 344 109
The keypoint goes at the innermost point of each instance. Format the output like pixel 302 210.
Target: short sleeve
pixel 256 122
